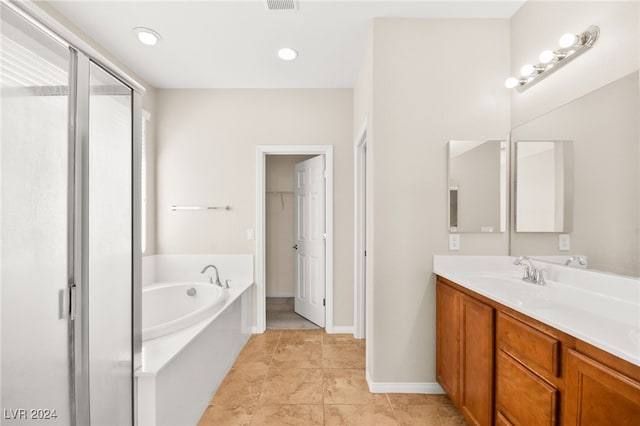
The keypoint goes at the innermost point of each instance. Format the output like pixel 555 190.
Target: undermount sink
pixel 510 278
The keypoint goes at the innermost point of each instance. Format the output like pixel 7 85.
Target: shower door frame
pixel 81 56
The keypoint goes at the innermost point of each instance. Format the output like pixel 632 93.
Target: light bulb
pixel 527 70
pixel 287 54
pixel 547 56
pixel 511 82
pixel 568 40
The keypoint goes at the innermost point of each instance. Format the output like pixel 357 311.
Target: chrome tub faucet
pixel 217 282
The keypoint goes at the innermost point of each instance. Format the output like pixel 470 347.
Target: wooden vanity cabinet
pixel 542 376
pixel 464 357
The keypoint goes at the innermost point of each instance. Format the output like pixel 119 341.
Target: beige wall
pixel 363 115
pixel 363 89
pixel 539 24
pixel 207 156
pixel 279 255
pixel 433 81
pixel 148 104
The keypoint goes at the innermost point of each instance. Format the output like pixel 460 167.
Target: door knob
pixel 295 247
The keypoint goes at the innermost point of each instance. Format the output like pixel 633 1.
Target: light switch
pixel 564 242
pixel 251 234
pixel 454 241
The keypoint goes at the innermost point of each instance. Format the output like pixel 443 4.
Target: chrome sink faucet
pixel 218 283
pixel 531 273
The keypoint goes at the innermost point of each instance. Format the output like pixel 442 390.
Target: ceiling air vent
pixel 281 4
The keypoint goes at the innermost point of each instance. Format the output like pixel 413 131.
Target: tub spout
pixel 218 283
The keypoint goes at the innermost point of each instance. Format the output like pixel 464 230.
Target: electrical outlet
pixel 251 234
pixel 454 241
pixel 564 242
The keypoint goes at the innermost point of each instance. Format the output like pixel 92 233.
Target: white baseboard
pixel 341 329
pixel 400 387
pixel 280 294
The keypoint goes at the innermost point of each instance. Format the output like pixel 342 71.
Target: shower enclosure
pixel 69 250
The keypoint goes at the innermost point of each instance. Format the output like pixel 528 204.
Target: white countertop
pixel 598 308
pixel 158 352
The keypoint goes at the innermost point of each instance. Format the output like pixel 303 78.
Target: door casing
pixel 360 216
pixel 260 280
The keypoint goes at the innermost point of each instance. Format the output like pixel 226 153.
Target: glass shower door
pixel 35 225
pixel 67 262
pixel 110 236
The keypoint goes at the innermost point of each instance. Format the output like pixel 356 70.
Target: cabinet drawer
pixel 522 398
pixel 531 347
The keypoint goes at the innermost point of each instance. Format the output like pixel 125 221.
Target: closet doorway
pixel 294 238
pixel 282 247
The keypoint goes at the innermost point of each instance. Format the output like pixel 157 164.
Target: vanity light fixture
pixel 147 36
pixel 571 46
pixel 287 54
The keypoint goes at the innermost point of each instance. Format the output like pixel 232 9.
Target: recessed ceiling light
pixel 287 54
pixel 147 36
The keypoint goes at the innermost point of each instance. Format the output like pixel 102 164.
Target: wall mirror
pixel 543 186
pixel 477 186
pixel 605 132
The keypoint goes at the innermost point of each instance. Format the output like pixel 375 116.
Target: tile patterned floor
pixel 308 377
pixel 281 315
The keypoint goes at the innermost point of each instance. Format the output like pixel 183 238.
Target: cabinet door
pixel 476 329
pixel 598 395
pixel 447 341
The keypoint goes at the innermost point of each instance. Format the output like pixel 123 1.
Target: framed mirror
pixel 543 186
pixel 477 186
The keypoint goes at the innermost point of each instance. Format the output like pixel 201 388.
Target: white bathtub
pixel 189 345
pixel 170 307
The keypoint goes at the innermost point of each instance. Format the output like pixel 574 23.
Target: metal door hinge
pixel 324 302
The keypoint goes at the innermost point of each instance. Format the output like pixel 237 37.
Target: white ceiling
pixel 233 44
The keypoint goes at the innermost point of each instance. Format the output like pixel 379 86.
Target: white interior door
pixel 309 244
